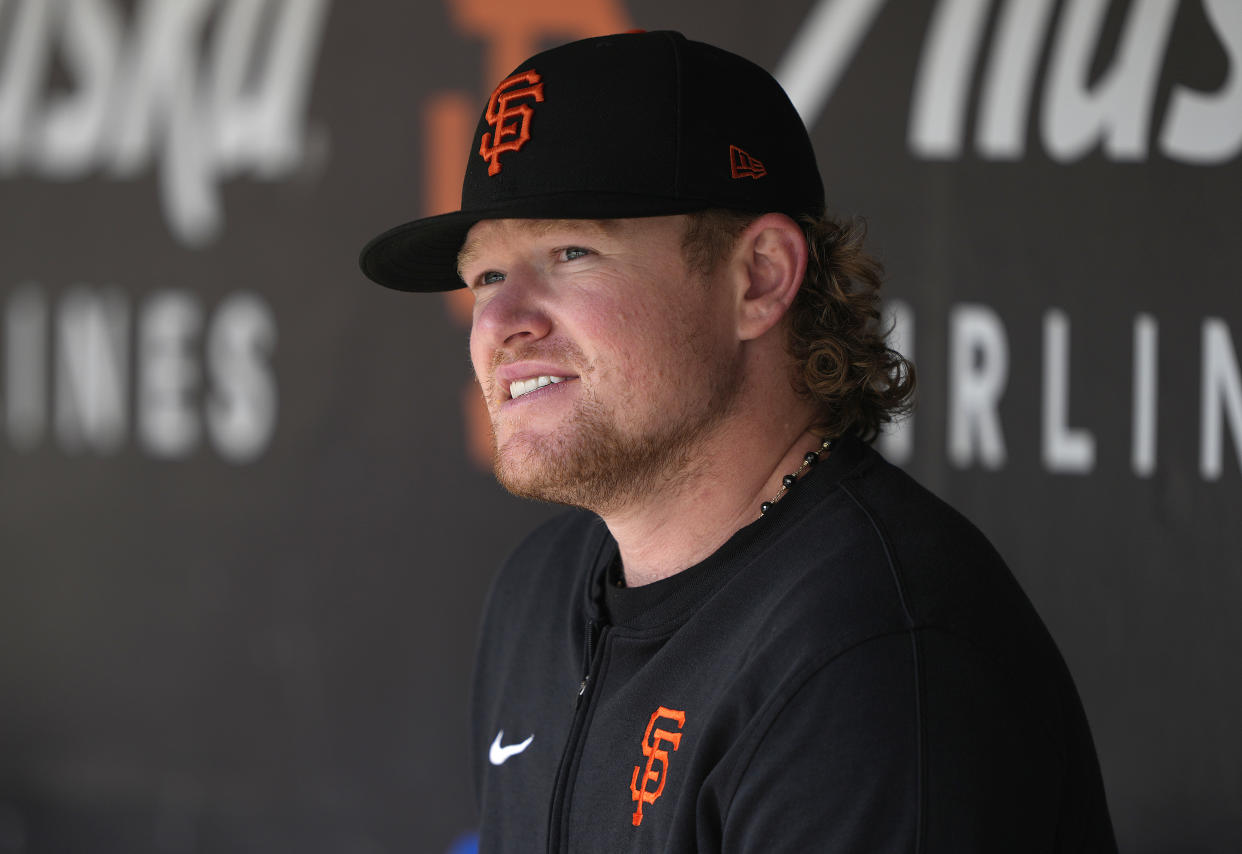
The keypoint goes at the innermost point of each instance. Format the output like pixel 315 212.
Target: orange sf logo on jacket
pixel 655 754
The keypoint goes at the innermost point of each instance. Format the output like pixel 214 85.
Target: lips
pixel 520 378
pixel 519 387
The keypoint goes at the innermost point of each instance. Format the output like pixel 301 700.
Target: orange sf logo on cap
pixel 509 120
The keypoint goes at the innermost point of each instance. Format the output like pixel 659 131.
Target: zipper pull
pixel 588 653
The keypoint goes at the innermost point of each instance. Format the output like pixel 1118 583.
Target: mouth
pixel 521 387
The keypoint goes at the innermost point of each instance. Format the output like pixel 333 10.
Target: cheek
pixel 648 348
pixel 480 356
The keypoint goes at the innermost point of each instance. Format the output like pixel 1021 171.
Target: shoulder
pixel 544 581
pixel 533 606
pixel 879 536
pixel 907 516
pixel 877 554
pixel 551 556
pixel 948 575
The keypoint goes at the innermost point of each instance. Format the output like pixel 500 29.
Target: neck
pixel 735 472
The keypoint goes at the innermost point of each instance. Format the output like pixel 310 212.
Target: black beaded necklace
pixel 788 481
pixel 614 573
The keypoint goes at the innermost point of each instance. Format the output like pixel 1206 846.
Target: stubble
pixel 592 462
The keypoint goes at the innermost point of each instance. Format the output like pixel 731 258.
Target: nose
pixel 512 314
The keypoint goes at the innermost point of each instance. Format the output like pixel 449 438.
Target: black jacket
pixel 857 671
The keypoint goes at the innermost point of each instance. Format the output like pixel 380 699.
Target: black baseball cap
pixel 630 125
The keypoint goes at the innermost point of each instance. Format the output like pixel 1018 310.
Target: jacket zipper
pixel 588 659
pixel 592 648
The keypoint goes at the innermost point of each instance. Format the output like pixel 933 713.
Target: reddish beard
pixel 591 462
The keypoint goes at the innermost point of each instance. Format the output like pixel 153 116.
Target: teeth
pixel 517 388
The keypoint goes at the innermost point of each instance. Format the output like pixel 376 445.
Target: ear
pixel 770 257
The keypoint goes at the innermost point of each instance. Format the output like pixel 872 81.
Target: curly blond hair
pixel 835 338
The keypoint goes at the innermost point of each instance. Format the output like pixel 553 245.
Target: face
pixel 605 363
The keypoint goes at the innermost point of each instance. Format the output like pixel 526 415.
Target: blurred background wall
pixel 245 532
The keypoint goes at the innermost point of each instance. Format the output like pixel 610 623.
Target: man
pixel 756 635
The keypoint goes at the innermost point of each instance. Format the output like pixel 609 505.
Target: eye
pixel 573 253
pixel 491 277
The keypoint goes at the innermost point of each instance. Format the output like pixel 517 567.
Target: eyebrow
pixel 539 227
pixel 466 255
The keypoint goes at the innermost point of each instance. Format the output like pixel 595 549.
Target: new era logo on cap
pixel 743 165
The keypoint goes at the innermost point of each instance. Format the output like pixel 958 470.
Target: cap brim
pixel 421 256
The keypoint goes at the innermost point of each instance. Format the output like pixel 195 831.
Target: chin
pixel 594 460
pixel 598 469
pixel 539 469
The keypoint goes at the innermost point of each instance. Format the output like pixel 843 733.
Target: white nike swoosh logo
pixel 498 755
